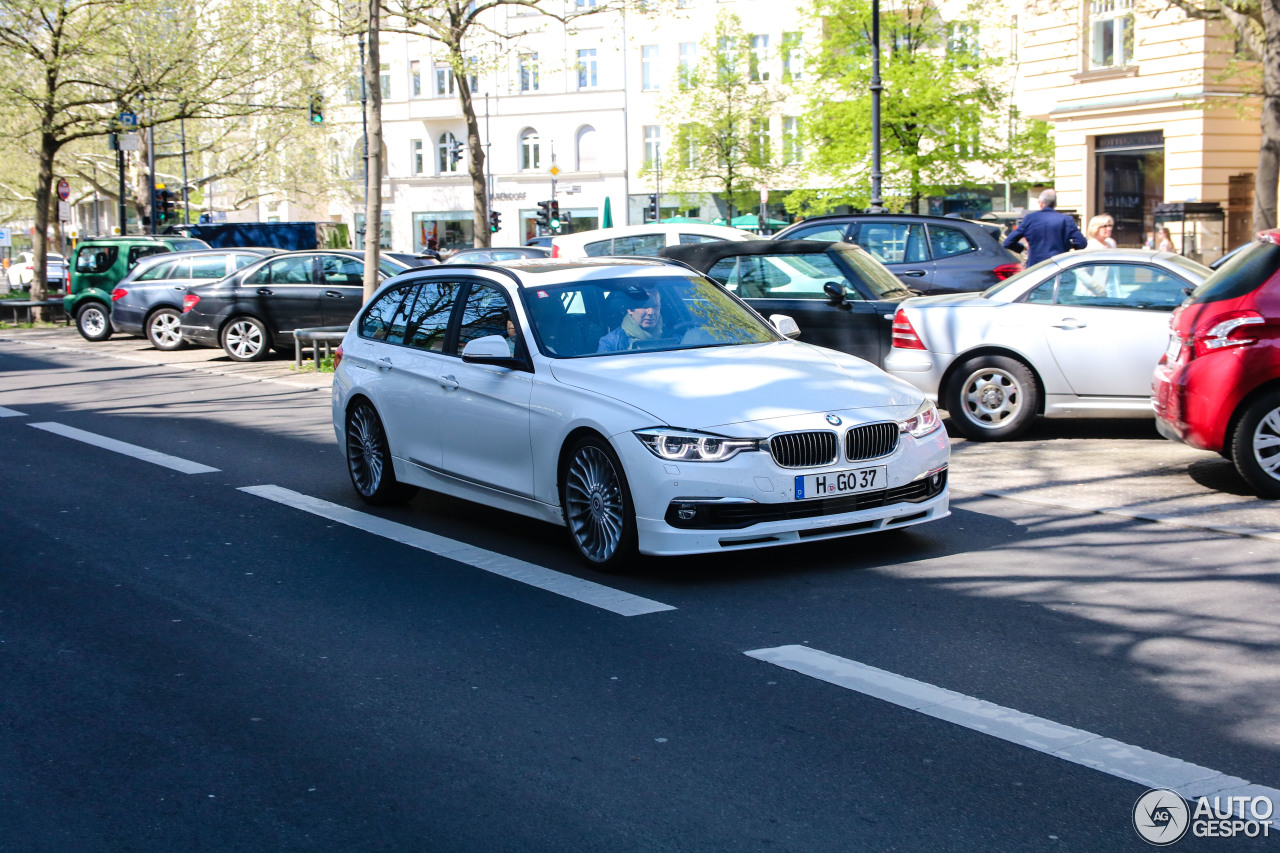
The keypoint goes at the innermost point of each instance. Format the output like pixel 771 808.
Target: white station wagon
pixel 637 403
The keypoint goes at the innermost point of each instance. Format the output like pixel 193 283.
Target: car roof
pixel 705 255
pixel 724 232
pixel 922 217
pixel 551 272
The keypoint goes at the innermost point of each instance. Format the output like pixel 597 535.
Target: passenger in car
pixel 641 322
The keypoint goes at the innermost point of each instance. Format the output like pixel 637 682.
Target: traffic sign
pixel 64 189
pixel 554 171
pixel 128 119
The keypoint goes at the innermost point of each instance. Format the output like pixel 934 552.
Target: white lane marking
pixel 588 592
pixel 154 456
pixel 11 413
pixel 1070 744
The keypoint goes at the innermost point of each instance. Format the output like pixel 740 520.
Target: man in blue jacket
pixel 1046 231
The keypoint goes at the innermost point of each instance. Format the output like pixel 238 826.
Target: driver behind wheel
pixel 641 322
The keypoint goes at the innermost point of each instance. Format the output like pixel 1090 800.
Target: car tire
pixel 992 398
pixel 597 507
pixel 93 322
pixel 246 339
pixel 1255 445
pixel 164 329
pixel 369 458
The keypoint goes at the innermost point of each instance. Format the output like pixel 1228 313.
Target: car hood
pixel 718 386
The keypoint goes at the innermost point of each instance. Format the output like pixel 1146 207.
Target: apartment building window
pixel 415 79
pixel 792 147
pixel 443 145
pixel 384 79
pixel 415 146
pixel 688 61
pixel 530 155
pixel 444 81
pixel 760 147
pixel 727 56
pixel 962 44
pixel 473 74
pixel 588 149
pixel 1110 33
pixel 688 142
pixel 652 145
pixel 587 68
pixel 584 4
pixel 649 67
pixel 528 72
pixel 759 71
pixel 792 58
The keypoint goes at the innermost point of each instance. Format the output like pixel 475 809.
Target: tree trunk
pixel 1265 187
pixel 40 239
pixel 373 166
pixel 475 162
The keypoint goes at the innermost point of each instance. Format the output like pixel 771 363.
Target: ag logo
pixel 1160 816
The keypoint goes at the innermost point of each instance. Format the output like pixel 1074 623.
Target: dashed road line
pixel 11 413
pixel 1070 744
pixel 155 457
pixel 587 592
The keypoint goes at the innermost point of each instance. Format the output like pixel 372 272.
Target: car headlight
pixel 678 445
pixel 923 422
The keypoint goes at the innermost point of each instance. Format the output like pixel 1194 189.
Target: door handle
pixel 264 291
pixel 335 294
pixel 1069 323
pixel 912 273
pixel 447 381
pixel 179 287
pixel 384 363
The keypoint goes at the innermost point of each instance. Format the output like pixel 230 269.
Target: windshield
pixel 615 316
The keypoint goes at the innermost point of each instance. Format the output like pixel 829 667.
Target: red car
pixel 1217 387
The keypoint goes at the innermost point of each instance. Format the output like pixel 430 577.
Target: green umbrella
pixel 750 222
pixel 607 220
pixel 682 220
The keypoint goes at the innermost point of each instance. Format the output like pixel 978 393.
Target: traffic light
pixel 544 214
pixel 653 213
pixel 495 221
pixel 165 207
pixel 555 215
pixel 455 152
pixel 317 109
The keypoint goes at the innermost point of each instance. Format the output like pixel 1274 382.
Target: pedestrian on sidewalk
pixel 1165 241
pixel 1099 232
pixel 1046 231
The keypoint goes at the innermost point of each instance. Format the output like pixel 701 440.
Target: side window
pixel 758 276
pixel 385 318
pixel 241 261
pixel 428 317
pixel 946 242
pixel 1088 284
pixel 826 232
pixel 1120 286
pixel 137 253
pixel 162 271
pixel 285 271
pixel 486 312
pixel 725 271
pixel 1046 293
pixel 601 247
pixel 695 239
pixel 208 267
pixel 892 242
pixel 647 245
pixel 806 276
pixel 341 270
pixel 97 259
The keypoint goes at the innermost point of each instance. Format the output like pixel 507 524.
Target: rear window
pixel 96 259
pixel 1242 274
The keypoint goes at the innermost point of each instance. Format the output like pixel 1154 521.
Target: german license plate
pixel 838 483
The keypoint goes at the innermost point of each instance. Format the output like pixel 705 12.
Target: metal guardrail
pixel 320 336
pixel 28 304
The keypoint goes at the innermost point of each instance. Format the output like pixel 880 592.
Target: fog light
pixel 686 512
pixel 937 479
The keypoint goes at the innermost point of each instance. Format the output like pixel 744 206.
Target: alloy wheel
pixel 93 322
pixel 1265 443
pixel 991 397
pixel 365 445
pixel 594 504
pixel 244 339
pixel 166 330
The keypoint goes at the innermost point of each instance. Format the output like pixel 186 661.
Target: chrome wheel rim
pixel 364 449
pixel 593 504
pixel 1266 444
pixel 991 397
pixel 93 321
pixel 166 330
pixel 244 339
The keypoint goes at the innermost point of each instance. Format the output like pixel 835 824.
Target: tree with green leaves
pixel 938 109
pixel 722 109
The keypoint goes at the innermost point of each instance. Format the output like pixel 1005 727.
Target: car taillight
pixel 119 293
pixel 337 357
pixel 555 250
pixel 66 281
pixel 1005 270
pixel 189 301
pixel 904 335
pixel 1226 331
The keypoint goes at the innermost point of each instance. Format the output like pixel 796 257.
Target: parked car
pixel 644 240
pixel 411 259
pixel 489 256
pixel 838 294
pixel 22 271
pixel 714 433
pixel 257 308
pixel 543 240
pixel 98 264
pixel 149 300
pixel 931 254
pixel 1218 385
pixel 1076 335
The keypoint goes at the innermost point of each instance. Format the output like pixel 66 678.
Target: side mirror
pixel 835 293
pixel 492 349
pixel 786 326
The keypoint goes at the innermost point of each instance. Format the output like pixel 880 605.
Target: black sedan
pixel 840 296
pixel 257 309
pixel 931 254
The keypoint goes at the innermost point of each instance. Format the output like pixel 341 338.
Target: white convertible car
pixel 636 402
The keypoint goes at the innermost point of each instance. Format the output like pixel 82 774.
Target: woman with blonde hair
pixel 1099 232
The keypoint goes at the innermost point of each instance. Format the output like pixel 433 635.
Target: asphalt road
pixel 187 665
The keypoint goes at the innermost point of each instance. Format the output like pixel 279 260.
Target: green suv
pixel 97 265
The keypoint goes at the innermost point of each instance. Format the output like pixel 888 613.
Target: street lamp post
pixel 877 202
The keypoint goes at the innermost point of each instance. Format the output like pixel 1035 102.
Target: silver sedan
pixel 1077 335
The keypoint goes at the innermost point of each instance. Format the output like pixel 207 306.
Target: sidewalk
pixel 1119 468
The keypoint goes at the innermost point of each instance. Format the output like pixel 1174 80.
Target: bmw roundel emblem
pixel 833 420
